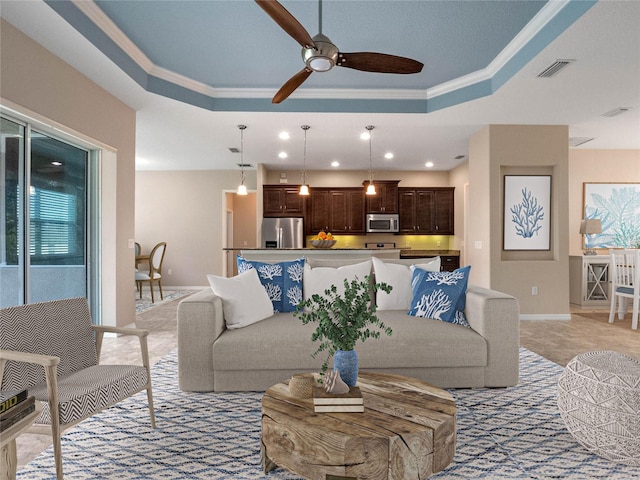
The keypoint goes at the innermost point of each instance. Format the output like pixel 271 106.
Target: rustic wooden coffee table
pixel 407 430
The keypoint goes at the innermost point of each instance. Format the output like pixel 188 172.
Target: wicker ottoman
pixel 599 401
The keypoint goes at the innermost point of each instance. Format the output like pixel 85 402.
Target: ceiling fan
pixel 320 55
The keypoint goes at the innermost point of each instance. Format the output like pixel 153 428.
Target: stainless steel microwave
pixel 382 222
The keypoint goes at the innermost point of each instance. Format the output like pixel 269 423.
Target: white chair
pixel 156 257
pixel 625 283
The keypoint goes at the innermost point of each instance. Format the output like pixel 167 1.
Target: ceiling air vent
pixel 244 165
pixel 553 69
pixel 577 141
pixel 459 157
pixel 616 111
pixel 234 150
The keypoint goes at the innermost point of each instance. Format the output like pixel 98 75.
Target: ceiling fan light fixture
pixel 323 57
pixel 320 64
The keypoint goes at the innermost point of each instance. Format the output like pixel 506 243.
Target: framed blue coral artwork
pixel 527 212
pixel 617 205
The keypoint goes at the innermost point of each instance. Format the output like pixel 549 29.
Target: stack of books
pixel 14 406
pixel 324 402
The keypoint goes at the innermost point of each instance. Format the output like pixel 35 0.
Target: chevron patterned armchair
pixel 53 350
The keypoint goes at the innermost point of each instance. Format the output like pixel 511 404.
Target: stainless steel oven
pixel 382 222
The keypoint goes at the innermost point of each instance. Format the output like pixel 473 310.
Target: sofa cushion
pixel 281 280
pixel 440 295
pixel 282 341
pixel 319 279
pixel 398 275
pixel 244 299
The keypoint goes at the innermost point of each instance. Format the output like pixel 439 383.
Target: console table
pixel 589 282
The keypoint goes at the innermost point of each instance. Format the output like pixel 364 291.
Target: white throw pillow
pixel 318 279
pixel 244 299
pixel 399 277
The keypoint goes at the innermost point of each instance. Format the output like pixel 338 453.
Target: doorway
pixel 240 230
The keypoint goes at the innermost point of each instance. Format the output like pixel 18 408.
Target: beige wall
pixel 613 166
pixel 479 234
pixel 459 178
pixel 523 150
pixel 34 79
pixel 187 210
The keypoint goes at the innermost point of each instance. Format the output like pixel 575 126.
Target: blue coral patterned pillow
pixel 282 281
pixel 440 295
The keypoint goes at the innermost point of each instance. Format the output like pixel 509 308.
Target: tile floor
pixel 556 340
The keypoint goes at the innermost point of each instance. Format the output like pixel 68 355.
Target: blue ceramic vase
pixel 346 362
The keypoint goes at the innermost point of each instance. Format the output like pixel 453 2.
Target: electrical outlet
pixel 170 272
pixel 478 244
pixel 437 243
pixel 534 290
pixel 132 243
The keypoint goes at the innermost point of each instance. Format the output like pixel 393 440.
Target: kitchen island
pixel 270 254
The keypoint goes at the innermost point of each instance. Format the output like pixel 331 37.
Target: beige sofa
pixel 213 358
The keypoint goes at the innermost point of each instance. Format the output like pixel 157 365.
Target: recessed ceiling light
pixel 335 163
pixel 284 135
pixel 428 164
pixel 364 136
pixel 388 155
pixel 283 155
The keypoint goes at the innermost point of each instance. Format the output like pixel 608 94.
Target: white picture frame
pixel 527 212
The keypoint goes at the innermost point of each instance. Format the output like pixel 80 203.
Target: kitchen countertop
pixel 429 253
pixel 351 249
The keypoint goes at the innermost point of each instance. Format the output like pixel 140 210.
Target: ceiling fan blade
pixel 378 62
pixel 287 22
pixel 291 84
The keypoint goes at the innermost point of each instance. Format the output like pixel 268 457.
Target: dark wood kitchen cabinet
pixel 386 198
pixel 336 210
pixel 282 201
pixel 426 211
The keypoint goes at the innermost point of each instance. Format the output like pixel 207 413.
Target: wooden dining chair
pixel 625 283
pixel 154 274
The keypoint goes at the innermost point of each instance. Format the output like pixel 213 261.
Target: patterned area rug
pixel 143 304
pixel 503 433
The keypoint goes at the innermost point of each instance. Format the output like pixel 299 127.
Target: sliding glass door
pixel 43 213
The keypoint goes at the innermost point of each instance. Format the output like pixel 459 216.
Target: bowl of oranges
pixel 323 240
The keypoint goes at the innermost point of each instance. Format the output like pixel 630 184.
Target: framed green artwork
pixel 617 205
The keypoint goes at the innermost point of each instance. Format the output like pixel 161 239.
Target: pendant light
pixel 304 188
pixel 371 188
pixel 242 188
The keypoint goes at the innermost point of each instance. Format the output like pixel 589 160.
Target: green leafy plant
pixel 343 319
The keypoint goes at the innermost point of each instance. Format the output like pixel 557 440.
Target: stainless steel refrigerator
pixel 282 233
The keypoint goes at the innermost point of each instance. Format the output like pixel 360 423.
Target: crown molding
pixel 537 23
pixel 111 30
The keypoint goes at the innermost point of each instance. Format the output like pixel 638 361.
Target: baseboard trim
pixel 546 316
